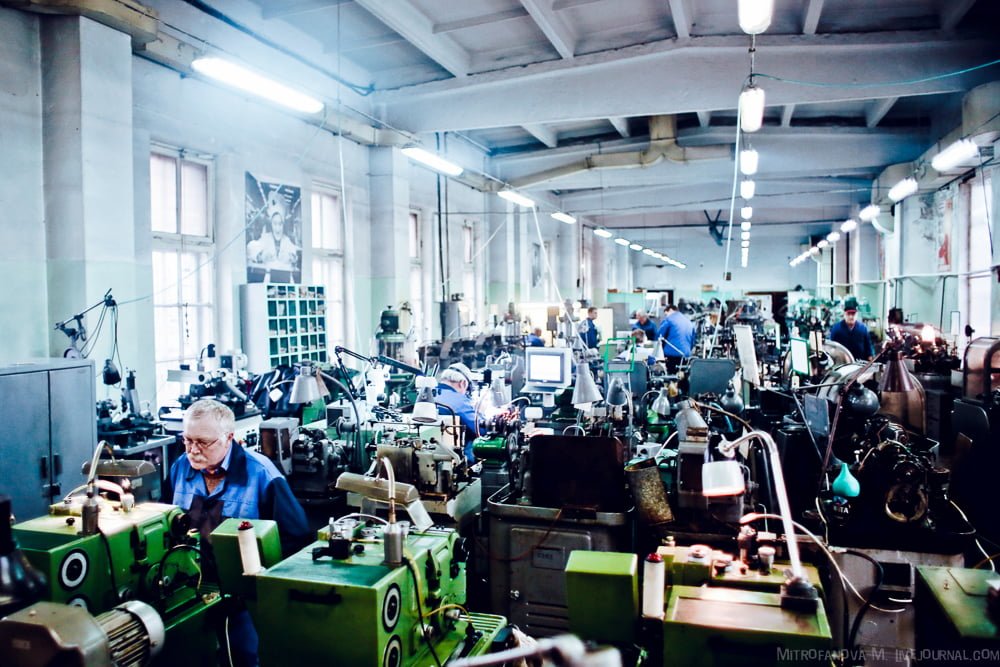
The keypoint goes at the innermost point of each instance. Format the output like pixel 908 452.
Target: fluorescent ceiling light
pixel 747 188
pixel 794 262
pixel 849 225
pixel 903 189
pixel 870 212
pixel 745 226
pixel 635 246
pixel 814 251
pixel 248 81
pixel 961 151
pixel 649 251
pixel 603 233
pixel 822 244
pixel 433 161
pixel 755 15
pixel 751 109
pixel 679 265
pixel 745 236
pixel 746 212
pixel 563 217
pixel 748 162
pixel 624 242
pixel 833 237
pixel 517 198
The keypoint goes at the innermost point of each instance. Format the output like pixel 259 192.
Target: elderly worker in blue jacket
pixel 217 479
pixel 453 395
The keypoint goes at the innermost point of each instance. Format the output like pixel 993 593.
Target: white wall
pixel 24 319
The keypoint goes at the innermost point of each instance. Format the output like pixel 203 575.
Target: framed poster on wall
pixel 273 231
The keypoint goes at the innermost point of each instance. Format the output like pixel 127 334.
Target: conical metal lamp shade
pixel 661 405
pixel 585 390
pixel 305 389
pixel 616 394
pixel 896 378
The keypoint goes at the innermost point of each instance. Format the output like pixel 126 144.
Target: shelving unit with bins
pixel 283 324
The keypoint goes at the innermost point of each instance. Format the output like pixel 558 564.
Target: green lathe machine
pixel 365 594
pixel 122 587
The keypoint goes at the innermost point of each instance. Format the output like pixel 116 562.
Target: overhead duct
pixel 662 146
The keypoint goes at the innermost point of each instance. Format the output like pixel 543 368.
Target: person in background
pixel 453 395
pixel 853 334
pixel 534 339
pixel 589 332
pixel 677 333
pixel 644 324
pixel 216 480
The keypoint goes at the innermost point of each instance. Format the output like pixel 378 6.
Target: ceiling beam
pixel 284 10
pixel 552 25
pixel 544 134
pixel 953 11
pixel 877 111
pixel 621 126
pixel 681 13
pixel 653 79
pixel 372 42
pixel 811 19
pixel 418 30
pixel 482 19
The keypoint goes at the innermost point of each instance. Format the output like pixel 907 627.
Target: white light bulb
pixel 746 212
pixel 748 162
pixel 624 242
pixel 747 188
pixel 833 237
pixel 751 109
pixel 746 225
pixel 745 244
pixel 822 244
pixel 603 233
pixel 870 212
pixel 635 246
pixel 755 15
pixel 849 225
pixel 563 217
pixel 903 189
pixel 961 151
pixel 745 236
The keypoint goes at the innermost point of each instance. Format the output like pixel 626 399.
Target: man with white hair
pixel 217 480
pixel 644 324
pixel 453 395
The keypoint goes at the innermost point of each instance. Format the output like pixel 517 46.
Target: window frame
pixel 336 300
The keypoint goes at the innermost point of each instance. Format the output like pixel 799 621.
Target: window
pixel 470 274
pixel 183 261
pixel 328 261
pixel 980 258
pixel 415 240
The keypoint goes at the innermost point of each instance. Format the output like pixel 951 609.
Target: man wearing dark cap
pixel 853 334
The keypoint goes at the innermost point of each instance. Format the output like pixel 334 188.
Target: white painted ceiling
pixel 541 84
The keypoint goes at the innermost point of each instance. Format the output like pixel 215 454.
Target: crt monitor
pixel 548 367
pixel 798 348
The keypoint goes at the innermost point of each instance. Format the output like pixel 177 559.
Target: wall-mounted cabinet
pixel 283 324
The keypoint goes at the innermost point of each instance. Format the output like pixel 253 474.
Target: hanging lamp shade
pixel 755 15
pixel 751 108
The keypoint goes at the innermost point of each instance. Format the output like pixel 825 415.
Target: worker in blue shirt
pixel 677 333
pixel 589 332
pixel 853 334
pixel 644 324
pixel 453 395
pixel 217 480
pixel 534 339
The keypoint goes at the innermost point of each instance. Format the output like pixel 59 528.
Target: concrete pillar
pixel 89 187
pixel 599 254
pixel 567 251
pixel 22 227
pixel 390 211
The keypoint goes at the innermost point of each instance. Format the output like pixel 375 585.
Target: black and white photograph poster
pixel 274 231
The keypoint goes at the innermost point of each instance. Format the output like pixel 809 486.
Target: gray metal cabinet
pixel 47 430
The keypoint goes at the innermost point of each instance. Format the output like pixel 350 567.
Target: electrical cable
pixel 111 565
pixel 879 576
pixel 420 611
pixel 908 82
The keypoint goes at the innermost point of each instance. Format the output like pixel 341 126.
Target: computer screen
pixel 799 350
pixel 548 367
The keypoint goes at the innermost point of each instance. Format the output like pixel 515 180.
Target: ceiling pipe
pixel 662 146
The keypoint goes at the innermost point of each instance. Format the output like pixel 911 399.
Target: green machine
pixel 100 556
pixel 350 599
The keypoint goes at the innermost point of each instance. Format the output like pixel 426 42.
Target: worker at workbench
pixel 217 480
pixel 453 396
